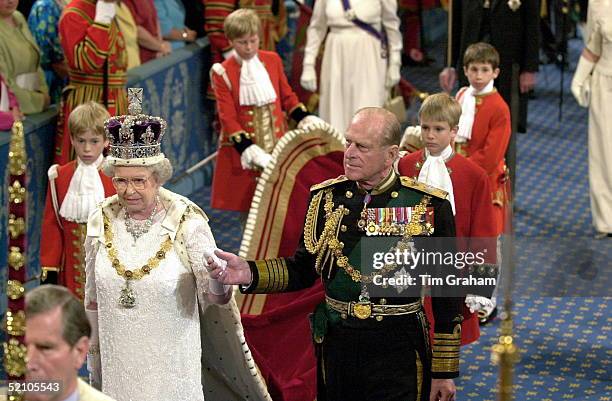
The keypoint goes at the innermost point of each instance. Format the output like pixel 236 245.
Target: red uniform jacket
pixel 272 15
pixel 490 137
pixel 233 187
pixel 62 247
pixel 90 49
pixel 474 214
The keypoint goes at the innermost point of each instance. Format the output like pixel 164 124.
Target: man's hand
pixel 236 271
pixel 527 81
pixel 442 390
pixel 448 78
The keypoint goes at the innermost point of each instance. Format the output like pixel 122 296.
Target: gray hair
pixel 161 170
pixel 48 297
pixel 384 121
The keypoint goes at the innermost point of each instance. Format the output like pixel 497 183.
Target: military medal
pixel 127 299
pixel 364 212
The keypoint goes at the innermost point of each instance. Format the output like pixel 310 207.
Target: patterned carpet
pixel 562 289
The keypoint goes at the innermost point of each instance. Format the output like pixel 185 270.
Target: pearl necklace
pixel 139 229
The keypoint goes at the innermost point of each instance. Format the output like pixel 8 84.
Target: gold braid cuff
pixel 273 275
pixel 446 351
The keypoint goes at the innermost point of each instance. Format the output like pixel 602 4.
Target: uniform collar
pixel 382 186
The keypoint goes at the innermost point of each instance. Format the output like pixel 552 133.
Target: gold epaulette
pixel 328 183
pixel 428 189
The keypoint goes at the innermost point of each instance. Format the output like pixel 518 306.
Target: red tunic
pixel 273 24
pixel 473 217
pixel 62 247
pixel 233 187
pixel 490 137
pixel 90 47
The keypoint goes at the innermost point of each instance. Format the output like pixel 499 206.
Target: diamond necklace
pixel 139 229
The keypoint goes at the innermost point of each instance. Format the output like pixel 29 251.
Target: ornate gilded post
pixel 14 349
pixel 506 353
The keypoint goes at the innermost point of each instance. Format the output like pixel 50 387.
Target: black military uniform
pixel 368 348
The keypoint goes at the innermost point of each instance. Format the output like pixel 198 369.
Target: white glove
pixel 476 303
pixel 308 80
pixel 105 12
pixel 254 157
pixel 94 363
pixel 215 286
pixel 311 120
pixel 581 83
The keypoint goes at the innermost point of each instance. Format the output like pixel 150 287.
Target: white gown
pixel 152 352
pixel 353 72
pixel 600 121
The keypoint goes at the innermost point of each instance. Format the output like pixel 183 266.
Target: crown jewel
pixel 135 135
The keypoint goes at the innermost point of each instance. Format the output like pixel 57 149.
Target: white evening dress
pixel 352 72
pixel 599 41
pixel 151 352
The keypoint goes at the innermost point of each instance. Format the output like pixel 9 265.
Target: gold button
pixel 394 194
pixel 383 301
pixel 379 318
pixel 343 228
pixel 349 194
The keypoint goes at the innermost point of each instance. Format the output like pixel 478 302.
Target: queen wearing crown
pixel 162 328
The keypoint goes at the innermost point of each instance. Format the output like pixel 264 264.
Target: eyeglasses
pixel 138 183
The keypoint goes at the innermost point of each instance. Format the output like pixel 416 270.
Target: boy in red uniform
pixel 74 190
pixel 253 97
pixel 467 184
pixel 484 127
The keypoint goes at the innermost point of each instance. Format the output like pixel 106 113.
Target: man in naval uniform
pixel 369 348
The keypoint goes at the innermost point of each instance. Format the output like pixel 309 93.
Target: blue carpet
pixel 562 289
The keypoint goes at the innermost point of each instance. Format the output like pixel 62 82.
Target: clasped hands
pixel 235 271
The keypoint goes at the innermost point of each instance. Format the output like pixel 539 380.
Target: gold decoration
pixel 16 259
pixel 121 270
pixel 16 193
pixel 15 289
pixel 362 310
pixel 17 150
pixel 349 194
pixel 14 323
pixel 16 226
pixel 14 358
pixel 394 194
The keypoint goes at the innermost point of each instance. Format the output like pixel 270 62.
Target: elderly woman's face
pixel 137 188
pixel 8 7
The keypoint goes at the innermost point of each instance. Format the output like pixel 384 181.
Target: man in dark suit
pixel 513 28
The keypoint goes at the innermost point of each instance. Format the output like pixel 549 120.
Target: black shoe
pixel 484 320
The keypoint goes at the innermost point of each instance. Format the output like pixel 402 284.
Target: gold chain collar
pixel 121 270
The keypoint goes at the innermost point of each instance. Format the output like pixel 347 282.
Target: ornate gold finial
pixel 15 289
pixel 16 192
pixel 16 226
pixel 16 259
pixel 14 322
pixel 14 358
pixel 17 150
pixel 135 101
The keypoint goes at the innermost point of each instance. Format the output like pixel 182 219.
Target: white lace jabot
pixel 255 86
pixel 468 110
pixel 84 193
pixel 435 173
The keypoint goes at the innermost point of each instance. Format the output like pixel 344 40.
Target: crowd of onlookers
pixel 35 68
